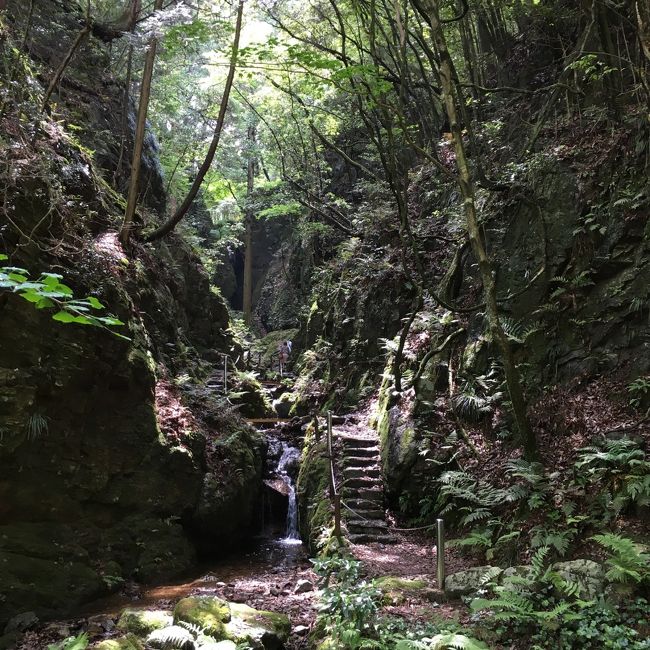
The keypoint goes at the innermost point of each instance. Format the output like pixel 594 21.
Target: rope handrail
pixel 335 495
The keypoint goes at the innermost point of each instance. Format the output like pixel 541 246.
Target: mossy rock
pixel 311 489
pixel 395 590
pixel 589 575
pixel 268 630
pixel 268 346
pixel 466 582
pixel 208 612
pixel 128 642
pixel 143 621
pixel 173 637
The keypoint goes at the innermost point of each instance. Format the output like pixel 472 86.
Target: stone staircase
pixel 363 491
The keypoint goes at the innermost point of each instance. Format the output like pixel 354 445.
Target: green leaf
pixel 15 269
pixel 3 256
pixel 109 320
pixel 94 303
pixel 44 303
pixel 64 317
pixel 31 296
pixel 19 277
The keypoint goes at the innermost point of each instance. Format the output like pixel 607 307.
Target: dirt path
pixel 413 558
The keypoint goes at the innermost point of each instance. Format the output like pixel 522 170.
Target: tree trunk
pixel 171 223
pixel 138 143
pixel 247 299
pixel 513 379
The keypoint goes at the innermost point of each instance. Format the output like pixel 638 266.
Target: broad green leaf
pixel 64 317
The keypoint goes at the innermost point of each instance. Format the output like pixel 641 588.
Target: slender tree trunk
pixel 125 116
pixel 171 223
pixel 138 143
pixel 81 37
pixel 247 299
pixel 513 378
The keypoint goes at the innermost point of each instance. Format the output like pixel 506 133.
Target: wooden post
pixel 330 453
pixel 440 553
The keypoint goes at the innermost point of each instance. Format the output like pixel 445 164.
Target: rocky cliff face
pixel 114 457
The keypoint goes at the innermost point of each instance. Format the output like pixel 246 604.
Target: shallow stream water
pixel 265 562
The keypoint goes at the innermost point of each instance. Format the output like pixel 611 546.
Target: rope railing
pixel 335 494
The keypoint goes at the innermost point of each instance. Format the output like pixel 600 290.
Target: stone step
pixel 352 442
pixel 365 524
pixel 361 452
pixel 374 515
pixel 365 504
pixel 371 471
pixel 360 483
pixel 370 538
pixel 361 461
pixel 369 494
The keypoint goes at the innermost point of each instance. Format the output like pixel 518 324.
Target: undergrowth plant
pixel 620 471
pixel 49 292
pixel 349 615
pixel 79 642
pixel 628 561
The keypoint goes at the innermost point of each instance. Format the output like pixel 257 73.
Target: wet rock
pixel 268 630
pixel 100 624
pixel 303 586
pixel 173 637
pixel 466 582
pixel 21 622
pixel 300 630
pixel 207 612
pixel 143 621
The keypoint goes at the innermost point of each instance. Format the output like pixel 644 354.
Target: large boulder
pixel 465 583
pixel 173 637
pixel 268 630
pixel 587 574
pixel 206 612
pixel 144 621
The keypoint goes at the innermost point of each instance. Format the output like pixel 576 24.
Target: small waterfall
pixel 288 461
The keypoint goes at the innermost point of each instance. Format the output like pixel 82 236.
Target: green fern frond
pixel 628 561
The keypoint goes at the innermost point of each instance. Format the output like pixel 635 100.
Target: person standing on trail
pixel 283 354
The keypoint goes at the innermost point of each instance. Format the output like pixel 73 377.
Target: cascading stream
pixel 290 459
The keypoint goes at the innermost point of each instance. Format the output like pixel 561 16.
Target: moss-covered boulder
pixel 207 612
pixel 314 511
pixel 260 629
pixel 128 642
pixel 587 574
pixel 396 590
pixel 466 582
pixel 143 621
pixel 231 488
pixel 173 637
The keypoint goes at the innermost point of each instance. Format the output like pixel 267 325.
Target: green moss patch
pixel 207 612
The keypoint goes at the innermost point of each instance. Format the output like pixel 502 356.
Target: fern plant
pixel 622 469
pixel 526 601
pixel 628 561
